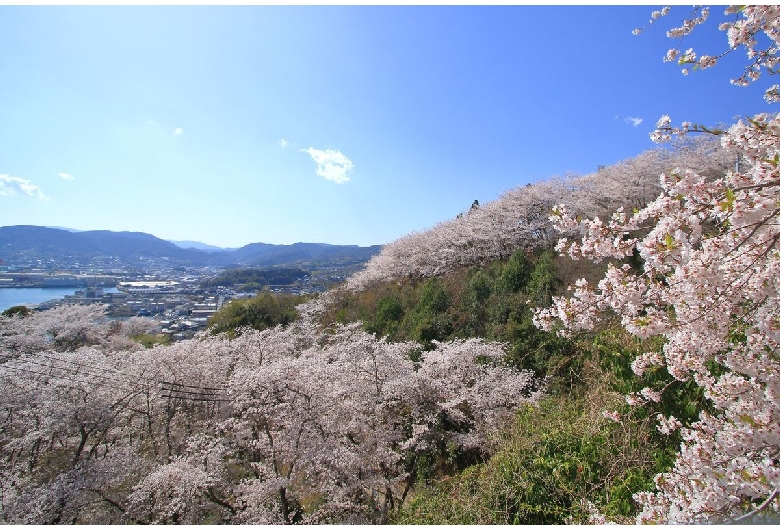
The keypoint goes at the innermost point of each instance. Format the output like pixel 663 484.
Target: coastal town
pixel 181 299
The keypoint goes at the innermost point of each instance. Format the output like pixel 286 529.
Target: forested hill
pixel 20 244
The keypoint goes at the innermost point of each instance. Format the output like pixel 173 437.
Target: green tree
pixel 17 310
pixel 542 281
pixel 263 311
pixel 388 317
pixel 433 298
pixel 429 320
pixel 474 301
pixel 516 272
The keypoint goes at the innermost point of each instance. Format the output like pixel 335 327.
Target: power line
pixel 77 372
pixel 88 369
pixel 174 392
pixel 218 389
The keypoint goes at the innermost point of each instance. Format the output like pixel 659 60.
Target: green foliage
pixel 433 298
pixel 543 282
pixel 428 320
pixel 516 272
pixel 17 311
pixel 615 349
pixel 253 279
pixel 388 317
pixel 551 461
pixel 149 340
pixel 479 288
pixel 557 358
pixel 263 311
pixel 431 327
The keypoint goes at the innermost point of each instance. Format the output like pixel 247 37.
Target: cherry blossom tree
pixel 291 424
pixel 188 489
pixel 68 327
pixel 341 420
pixel 708 287
pixel 753 28
pixel 83 410
pixel 61 413
pixel 519 218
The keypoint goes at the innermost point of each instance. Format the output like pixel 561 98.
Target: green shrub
pixel 263 311
pixel 388 317
pixel 149 340
pixel 17 310
pixel 516 272
pixel 553 461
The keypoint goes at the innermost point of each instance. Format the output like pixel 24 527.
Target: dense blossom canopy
pixel 292 424
pixel 519 218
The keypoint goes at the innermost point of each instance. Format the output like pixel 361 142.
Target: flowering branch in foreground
pixel 709 287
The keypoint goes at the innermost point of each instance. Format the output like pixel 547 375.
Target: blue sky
pixel 344 125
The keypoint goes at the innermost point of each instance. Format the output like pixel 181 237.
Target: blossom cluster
pixel 745 31
pixel 708 285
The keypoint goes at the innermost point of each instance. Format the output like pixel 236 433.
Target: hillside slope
pixel 519 219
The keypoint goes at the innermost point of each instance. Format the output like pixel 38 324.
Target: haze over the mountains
pixel 200 246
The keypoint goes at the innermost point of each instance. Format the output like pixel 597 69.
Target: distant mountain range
pixel 20 244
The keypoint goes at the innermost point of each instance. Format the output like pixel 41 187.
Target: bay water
pixel 11 296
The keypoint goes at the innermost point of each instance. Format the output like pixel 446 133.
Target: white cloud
pixel 283 143
pixel 177 131
pixel 633 121
pixel 11 185
pixel 331 164
pixel 66 176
